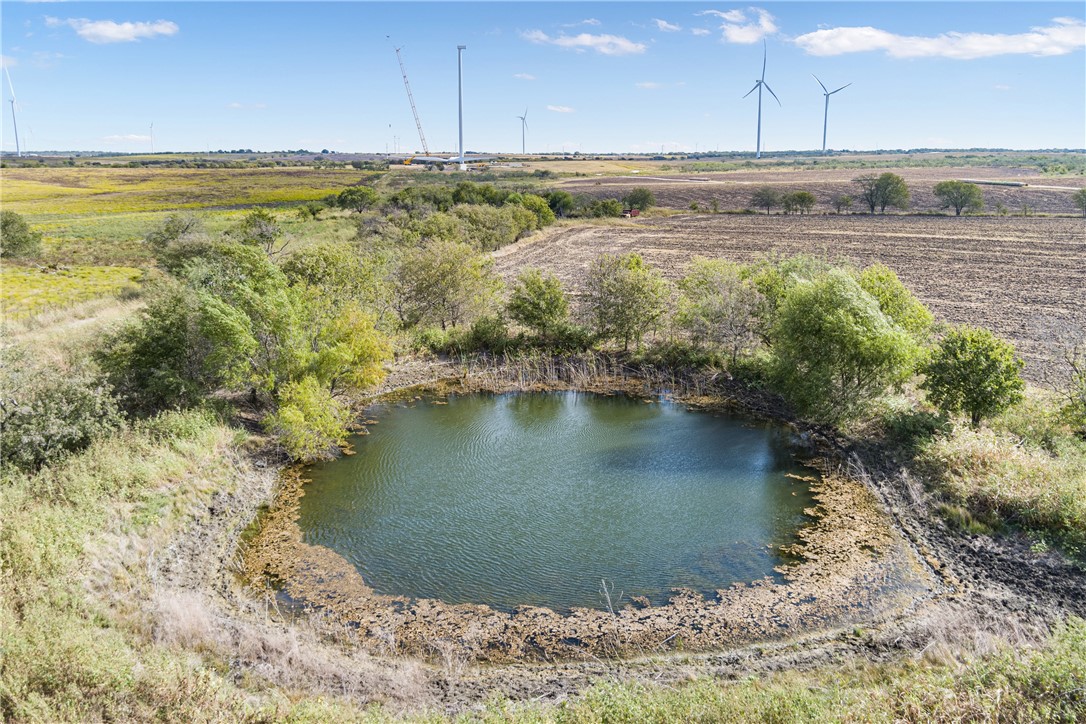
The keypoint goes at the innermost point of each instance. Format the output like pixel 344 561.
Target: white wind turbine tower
pixel 523 129
pixel 758 85
pixel 826 115
pixel 18 149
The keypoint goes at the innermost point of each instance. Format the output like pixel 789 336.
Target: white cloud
pixel 524 76
pixel 587 21
pixel 561 109
pixel 246 106
pixel 125 138
pixel 746 26
pixel 6 61
pixel 666 26
pixel 701 31
pixel 1064 35
pixel 1001 87
pixel 45 59
pixel 731 16
pixel 604 44
pixel 649 85
pixel 109 31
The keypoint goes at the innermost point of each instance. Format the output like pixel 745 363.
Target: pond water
pixel 538 498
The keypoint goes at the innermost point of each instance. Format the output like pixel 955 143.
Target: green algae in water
pixel 536 498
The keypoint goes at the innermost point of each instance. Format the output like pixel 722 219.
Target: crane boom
pixel 411 100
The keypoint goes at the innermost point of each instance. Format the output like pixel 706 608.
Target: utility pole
pixel 460 84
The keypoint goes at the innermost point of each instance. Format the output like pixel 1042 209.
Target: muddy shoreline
pixel 972 587
pixel 853 567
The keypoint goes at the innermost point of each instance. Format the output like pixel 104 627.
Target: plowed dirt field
pixel 1025 278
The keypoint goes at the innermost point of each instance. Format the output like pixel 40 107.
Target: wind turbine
pixel 758 85
pixel 523 128
pixel 18 150
pixel 826 116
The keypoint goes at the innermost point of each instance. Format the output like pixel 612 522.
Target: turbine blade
pixel 10 86
pixel 841 88
pixel 765 52
pixel 772 93
pixel 824 88
pixel 756 84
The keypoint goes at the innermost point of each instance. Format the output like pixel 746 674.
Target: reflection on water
pixel 534 498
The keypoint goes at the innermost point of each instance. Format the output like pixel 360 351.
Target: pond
pixel 539 498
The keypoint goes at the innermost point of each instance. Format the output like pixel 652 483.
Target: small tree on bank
pixel 539 303
pixel 974 372
pixel 625 298
pixel 960 196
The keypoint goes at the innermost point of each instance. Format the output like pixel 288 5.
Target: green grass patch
pixel 26 291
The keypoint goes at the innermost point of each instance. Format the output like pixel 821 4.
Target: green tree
pixel 639 197
pixel 835 349
pixel 538 206
pixel 974 372
pixel 895 300
pixel 562 203
pixel 765 197
pixel 798 201
pixel 1079 197
pixel 720 307
pixel 309 422
pixel 261 229
pixel 887 189
pixel 357 198
pixel 960 196
pixel 17 239
pixel 841 203
pixel 624 297
pixel 444 283
pixel 539 303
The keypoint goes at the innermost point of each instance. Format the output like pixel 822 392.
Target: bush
pixel 17 239
pixel 974 372
pixel 539 303
pixel 309 422
pixel 639 198
pixel 835 349
pixel 624 298
pixel 46 414
pixel 895 300
pixel 719 307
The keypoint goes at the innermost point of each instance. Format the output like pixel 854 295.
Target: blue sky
pixel 595 77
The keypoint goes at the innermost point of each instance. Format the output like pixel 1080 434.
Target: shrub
pixel 539 303
pixel 720 308
pixel 835 349
pixel 17 239
pixel 46 414
pixel 895 300
pixel 624 297
pixel 309 422
pixel 639 198
pixel 974 372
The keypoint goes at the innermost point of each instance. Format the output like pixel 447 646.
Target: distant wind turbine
pixel 523 129
pixel 758 85
pixel 18 149
pixel 826 115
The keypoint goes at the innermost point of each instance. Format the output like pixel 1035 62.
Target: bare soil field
pixel 732 190
pixel 1022 277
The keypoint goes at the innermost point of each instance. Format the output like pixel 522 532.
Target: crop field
pixel 1022 277
pixel 25 291
pixel 732 190
pixel 43 193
